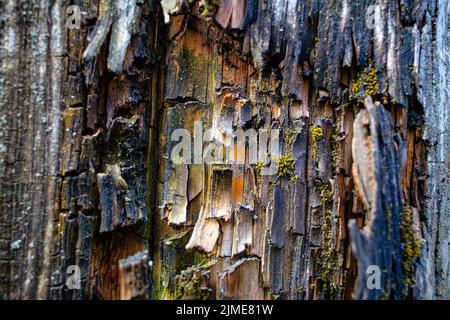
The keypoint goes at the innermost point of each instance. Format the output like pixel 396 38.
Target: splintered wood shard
pixel 205 235
pixel 176 207
pixel 100 32
pixel 170 7
pixel 376 169
pixel 221 198
pixel 126 20
pixel 241 281
pixel 183 182
pixel 243 230
pixel 120 205
pixel 231 13
pixel 365 150
pixel 119 149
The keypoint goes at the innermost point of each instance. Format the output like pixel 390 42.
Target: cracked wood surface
pixel 362 170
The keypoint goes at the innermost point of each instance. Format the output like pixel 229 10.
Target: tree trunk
pixel 93 204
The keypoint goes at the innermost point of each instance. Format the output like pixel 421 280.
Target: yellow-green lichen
pixel 316 41
pixel 328 257
pixel 189 284
pixel 334 149
pixel 316 135
pixel 325 194
pixel 165 293
pixel 289 136
pixel 286 162
pixel 286 166
pixel 329 265
pixel 192 285
pixel 366 84
pixel 411 246
pixel 209 6
pixel 258 167
pixel 272 185
pixel 264 90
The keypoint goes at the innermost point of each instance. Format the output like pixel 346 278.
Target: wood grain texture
pixel 361 173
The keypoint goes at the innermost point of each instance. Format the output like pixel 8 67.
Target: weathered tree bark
pixel 362 173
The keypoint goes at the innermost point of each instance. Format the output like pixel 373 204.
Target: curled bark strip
pixel 98 35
